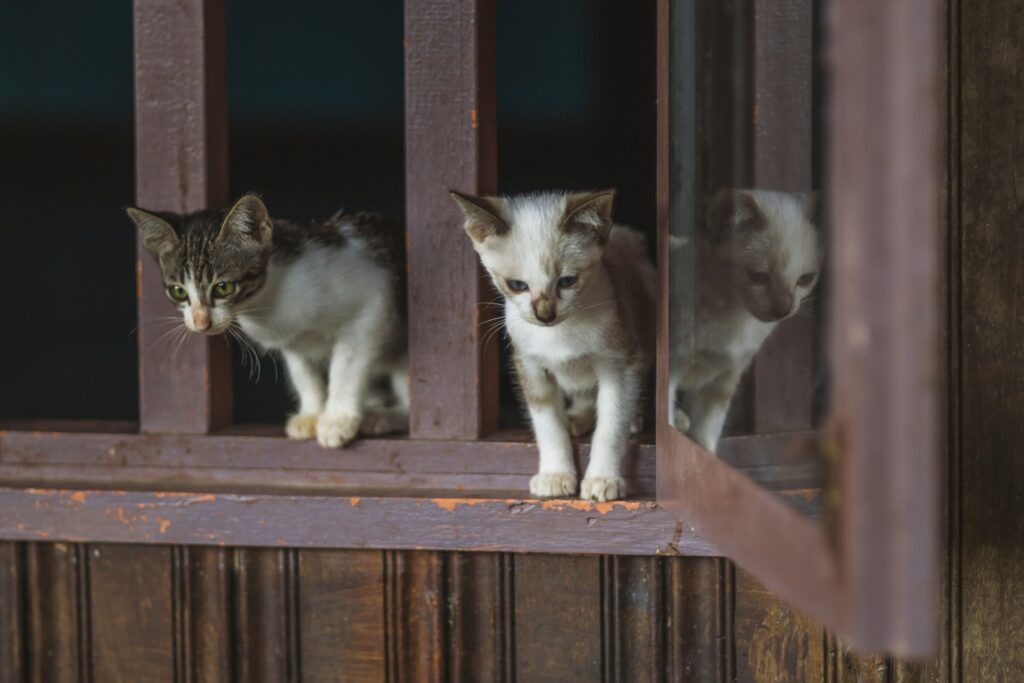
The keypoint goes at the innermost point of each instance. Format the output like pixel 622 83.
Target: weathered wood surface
pixel 181 159
pixel 450 138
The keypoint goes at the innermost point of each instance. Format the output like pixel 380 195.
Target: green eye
pixel 177 292
pixel 223 290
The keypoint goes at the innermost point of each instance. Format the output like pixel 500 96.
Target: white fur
pixel 710 356
pixel 329 311
pixel 590 346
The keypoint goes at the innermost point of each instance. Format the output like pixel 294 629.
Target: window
pixel 188 474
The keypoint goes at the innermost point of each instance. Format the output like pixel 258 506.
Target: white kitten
pixel 756 261
pixel 329 296
pixel 579 307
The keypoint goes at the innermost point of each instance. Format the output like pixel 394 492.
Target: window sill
pixel 252 487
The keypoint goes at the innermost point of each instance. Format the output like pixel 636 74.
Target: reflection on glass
pixel 756 260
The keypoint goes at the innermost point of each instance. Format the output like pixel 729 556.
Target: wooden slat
pixel 12 612
pixel 342 615
pixel 637 639
pixel 181 165
pixel 131 630
pixel 883 194
pixel 419 601
pixel 207 602
pixel 479 595
pixel 698 613
pixel 558 618
pixel 783 64
pixel 478 524
pixel 772 641
pixel 263 649
pixel 450 144
pixel 53 608
pixel 990 328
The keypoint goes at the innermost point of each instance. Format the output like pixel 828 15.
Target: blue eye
pixel 517 285
pixel 567 281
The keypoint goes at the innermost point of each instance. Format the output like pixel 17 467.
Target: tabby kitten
pixel 328 296
pixel 757 259
pixel 579 308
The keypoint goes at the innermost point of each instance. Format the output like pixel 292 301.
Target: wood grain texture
pixel 207 601
pixel 479 626
pixel 342 618
pixel 698 628
pixel 635 634
pixel 12 612
pixel 991 326
pixel 559 618
pixel 181 165
pixel 130 600
pixel 420 605
pixel 450 137
pixel 55 612
pixel 263 616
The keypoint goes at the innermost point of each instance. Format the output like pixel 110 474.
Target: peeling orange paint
pixel 353 501
pixel 449 504
pixel 165 524
pixel 474 120
pixel 78 497
pixel 43 534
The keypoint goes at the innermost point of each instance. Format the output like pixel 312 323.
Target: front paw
pixel 301 426
pixel 603 489
pixel 553 484
pixel 333 431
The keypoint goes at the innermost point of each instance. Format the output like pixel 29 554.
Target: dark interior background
pixel 316 106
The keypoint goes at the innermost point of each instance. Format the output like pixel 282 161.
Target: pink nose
pixel 201 319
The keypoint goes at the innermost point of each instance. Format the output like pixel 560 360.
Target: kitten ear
pixel 158 235
pixel 811 202
pixel 481 213
pixel 589 212
pixel 248 219
pixel 732 210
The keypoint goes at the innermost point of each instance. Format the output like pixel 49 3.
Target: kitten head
pixel 541 250
pixel 770 242
pixel 211 261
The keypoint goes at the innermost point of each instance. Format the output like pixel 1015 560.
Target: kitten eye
pixel 178 293
pixel 517 285
pixel 806 279
pixel 223 290
pixel 567 281
pixel 758 277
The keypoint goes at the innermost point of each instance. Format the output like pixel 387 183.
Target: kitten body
pixel 328 296
pixel 579 309
pixel 755 263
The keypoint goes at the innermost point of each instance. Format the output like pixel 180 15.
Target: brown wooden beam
pixel 450 139
pixel 477 524
pixel 181 164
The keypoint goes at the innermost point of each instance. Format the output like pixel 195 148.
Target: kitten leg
pixel 710 407
pixel 582 412
pixel 395 418
pixel 556 475
pixel 618 391
pixel 309 385
pixel 349 374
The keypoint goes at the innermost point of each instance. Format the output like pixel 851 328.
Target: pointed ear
pixel 589 212
pixel 811 202
pixel 732 210
pixel 247 220
pixel 482 216
pixel 158 235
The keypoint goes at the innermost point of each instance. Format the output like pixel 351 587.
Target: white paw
pixel 603 488
pixel 680 420
pixel 333 431
pixel 582 424
pixel 553 484
pixel 301 426
pixel 637 425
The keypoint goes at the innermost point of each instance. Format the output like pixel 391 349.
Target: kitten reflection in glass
pixel 757 259
pixel 580 298
pixel 329 296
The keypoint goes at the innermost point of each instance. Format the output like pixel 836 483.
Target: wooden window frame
pixel 185 475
